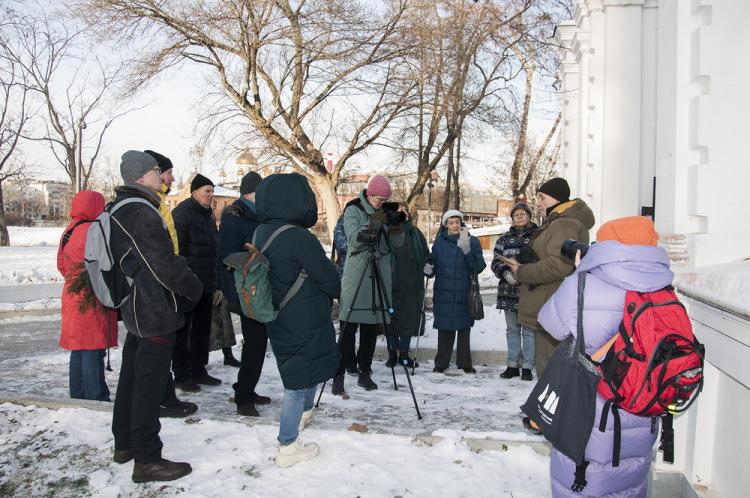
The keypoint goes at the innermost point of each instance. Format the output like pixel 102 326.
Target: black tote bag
pixel 563 402
pixel 474 304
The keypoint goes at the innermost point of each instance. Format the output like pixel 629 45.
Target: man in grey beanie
pixel 162 290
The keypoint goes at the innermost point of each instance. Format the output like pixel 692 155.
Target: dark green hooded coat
pixel 302 336
pixel 408 281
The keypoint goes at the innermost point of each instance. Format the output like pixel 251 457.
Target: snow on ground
pixel 35 236
pixel 29 265
pixel 233 455
pixel 67 452
pixel 50 303
pixel 726 285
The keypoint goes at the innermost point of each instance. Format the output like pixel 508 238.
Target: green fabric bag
pixel 251 271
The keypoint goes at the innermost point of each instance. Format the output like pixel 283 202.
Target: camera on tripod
pixel 393 217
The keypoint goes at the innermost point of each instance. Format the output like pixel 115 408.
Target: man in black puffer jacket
pixel 238 223
pixel 163 289
pixel 197 238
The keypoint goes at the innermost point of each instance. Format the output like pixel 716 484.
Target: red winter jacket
pixel 82 330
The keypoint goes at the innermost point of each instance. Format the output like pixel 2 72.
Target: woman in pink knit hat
pixel 364 213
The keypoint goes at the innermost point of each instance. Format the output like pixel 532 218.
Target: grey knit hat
pixel 134 164
pixel 451 213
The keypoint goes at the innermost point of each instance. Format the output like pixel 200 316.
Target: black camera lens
pixel 570 247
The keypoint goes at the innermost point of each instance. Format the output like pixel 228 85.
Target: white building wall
pixel 660 91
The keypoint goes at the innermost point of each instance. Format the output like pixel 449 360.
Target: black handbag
pixel 474 304
pixel 563 402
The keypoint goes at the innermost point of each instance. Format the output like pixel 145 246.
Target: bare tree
pixel 73 89
pixel 14 117
pixel 305 75
pixel 458 67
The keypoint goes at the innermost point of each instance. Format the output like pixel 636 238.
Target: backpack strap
pixel 297 285
pixel 69 233
pixel 294 289
pixel 273 236
pixel 610 404
pixel 133 200
pixel 666 443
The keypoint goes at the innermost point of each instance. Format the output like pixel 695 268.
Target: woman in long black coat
pixel 408 289
pixel 302 336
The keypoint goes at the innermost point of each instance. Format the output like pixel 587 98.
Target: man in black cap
pixel 163 289
pixel 238 223
pixel 542 270
pixel 196 235
pixel 171 405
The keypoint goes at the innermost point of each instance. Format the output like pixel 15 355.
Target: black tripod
pixel 382 308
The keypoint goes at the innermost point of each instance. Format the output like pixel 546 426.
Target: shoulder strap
pixel 68 233
pixel 294 289
pixel 133 200
pixel 273 236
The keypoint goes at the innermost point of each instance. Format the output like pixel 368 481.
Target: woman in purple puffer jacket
pixel 625 258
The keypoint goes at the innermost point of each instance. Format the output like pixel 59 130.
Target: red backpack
pixel 654 368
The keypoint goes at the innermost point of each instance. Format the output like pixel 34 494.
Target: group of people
pixel 174 261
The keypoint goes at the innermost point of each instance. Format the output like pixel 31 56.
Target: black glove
pixel 526 256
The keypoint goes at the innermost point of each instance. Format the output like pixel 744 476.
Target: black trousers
pixel 445 348
pixel 190 355
pixel 368 336
pixel 140 389
pixel 251 361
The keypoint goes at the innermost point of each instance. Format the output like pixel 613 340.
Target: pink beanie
pixel 378 186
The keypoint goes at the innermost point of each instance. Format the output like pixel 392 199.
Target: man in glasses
pixel 162 290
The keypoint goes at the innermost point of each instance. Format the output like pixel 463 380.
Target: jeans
pixel 519 355
pixel 86 375
pixel 405 344
pixel 295 402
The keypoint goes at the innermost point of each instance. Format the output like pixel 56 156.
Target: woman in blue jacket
pixel 456 257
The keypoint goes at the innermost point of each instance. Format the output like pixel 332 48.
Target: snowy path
pixel 67 452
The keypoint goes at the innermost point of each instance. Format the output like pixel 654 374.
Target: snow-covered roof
pixel 493 230
pixel 725 286
pixel 225 192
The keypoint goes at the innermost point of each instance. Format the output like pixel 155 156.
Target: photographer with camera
pixel 542 270
pixel 456 259
pixel 369 230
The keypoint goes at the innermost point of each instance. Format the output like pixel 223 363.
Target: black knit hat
pixel 520 205
pixel 198 182
pixel 249 183
pixel 557 188
pixel 163 161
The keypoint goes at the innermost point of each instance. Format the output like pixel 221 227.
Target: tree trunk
pixel 326 189
pixel 4 236
pixel 515 169
pixel 448 180
pixel 457 175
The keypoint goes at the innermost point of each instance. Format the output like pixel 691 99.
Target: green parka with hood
pixel 356 217
pixel 302 336
pixel 568 220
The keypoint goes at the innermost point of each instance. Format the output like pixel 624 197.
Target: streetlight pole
pixel 79 156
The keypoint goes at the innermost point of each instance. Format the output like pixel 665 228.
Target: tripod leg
pixel 385 301
pixel 323 388
pixel 386 325
pixel 422 322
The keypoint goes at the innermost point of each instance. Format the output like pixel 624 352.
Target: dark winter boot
pixel 177 409
pixel 391 362
pixel 229 358
pixel 338 385
pixel 163 470
pixel 510 372
pixel 365 381
pixel 352 370
pixel 526 374
pixel 410 363
pixel 247 410
pixel 122 456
